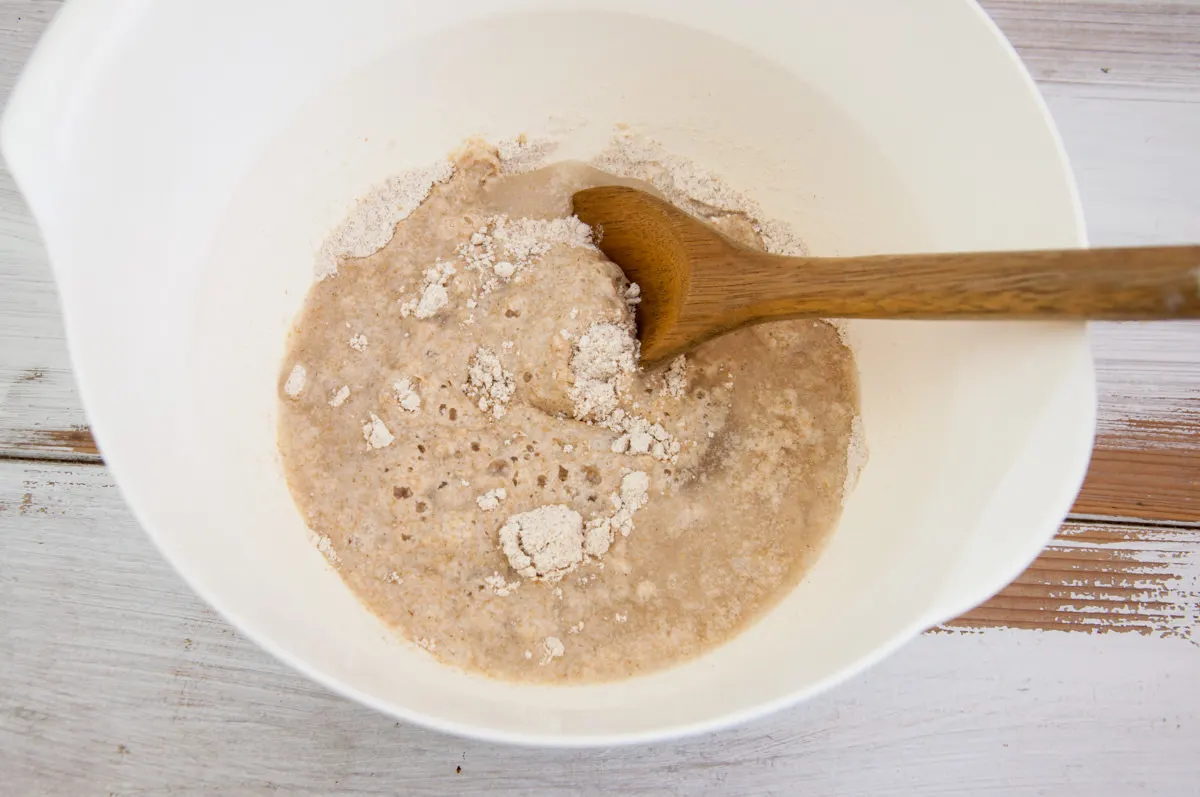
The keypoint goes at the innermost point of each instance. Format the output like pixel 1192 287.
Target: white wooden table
pixel 1081 678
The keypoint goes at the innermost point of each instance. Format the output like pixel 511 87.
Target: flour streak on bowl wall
pixel 184 171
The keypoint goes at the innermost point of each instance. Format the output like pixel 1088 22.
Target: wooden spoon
pixel 697 284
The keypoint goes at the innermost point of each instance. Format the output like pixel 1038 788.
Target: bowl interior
pixel 861 135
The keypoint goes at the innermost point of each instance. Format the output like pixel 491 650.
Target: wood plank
pixel 40 411
pixel 1131 485
pixel 115 679
pixel 1147 458
pixel 1104 43
pixel 1138 167
pixel 1104 577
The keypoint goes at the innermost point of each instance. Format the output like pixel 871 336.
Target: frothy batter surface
pixel 465 431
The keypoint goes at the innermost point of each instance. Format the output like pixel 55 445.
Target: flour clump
pixel 632 496
pixel 376 433
pixel 433 294
pixel 491 499
pixel 295 381
pixel 488 382
pixel 339 396
pixel 545 543
pixel 604 354
pixel 406 395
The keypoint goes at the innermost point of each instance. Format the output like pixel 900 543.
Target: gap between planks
pixel 55 445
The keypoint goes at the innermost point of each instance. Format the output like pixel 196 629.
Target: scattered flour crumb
pixel 358 342
pixel 434 295
pixel 491 499
pixel 325 546
pixel 369 227
pixel 639 436
pixel 498 586
pixel 632 496
pixel 675 380
pixel 525 240
pixel 295 381
pixel 529 654
pixel 544 543
pixel 603 355
pixel 425 643
pixel 393 578
pixel 376 433
pixel 339 396
pixel 434 298
pixel 522 154
pixel 554 649
pixel 575 629
pixel 621 617
pixel 406 395
pixel 489 383
pixel 503 248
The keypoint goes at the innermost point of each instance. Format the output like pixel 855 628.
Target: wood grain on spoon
pixel 697 284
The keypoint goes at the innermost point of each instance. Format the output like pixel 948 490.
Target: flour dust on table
pixel 465 427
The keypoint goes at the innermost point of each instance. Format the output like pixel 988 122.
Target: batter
pixel 464 429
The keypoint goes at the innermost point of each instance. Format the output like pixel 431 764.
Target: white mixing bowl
pixel 185 159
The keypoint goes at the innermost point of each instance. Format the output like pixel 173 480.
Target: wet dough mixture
pixel 464 429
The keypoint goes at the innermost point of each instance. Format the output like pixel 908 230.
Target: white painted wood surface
pixel 36 388
pixel 115 679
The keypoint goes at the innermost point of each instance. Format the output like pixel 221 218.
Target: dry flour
pixel 295 381
pixel 406 395
pixel 544 543
pixel 370 226
pixel 503 248
pixel 339 397
pixel 489 383
pixel 376 433
pixel 693 188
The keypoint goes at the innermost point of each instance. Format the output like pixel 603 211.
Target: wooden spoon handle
pixel 1136 283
